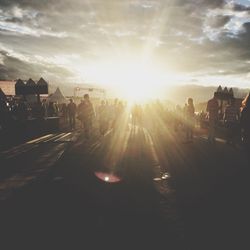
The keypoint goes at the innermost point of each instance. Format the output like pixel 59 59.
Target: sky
pixel 133 42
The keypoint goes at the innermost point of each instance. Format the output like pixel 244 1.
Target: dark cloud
pixel 246 26
pixel 240 43
pixel 240 7
pixel 206 3
pixel 214 3
pixel 36 4
pixel 96 28
pixel 14 20
pixel 13 68
pixel 68 5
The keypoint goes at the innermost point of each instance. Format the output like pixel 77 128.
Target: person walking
pixel 80 115
pixel 88 115
pixel 51 109
pixel 189 113
pixel 65 112
pixel 212 109
pixel 103 118
pixel 72 114
pixel 231 119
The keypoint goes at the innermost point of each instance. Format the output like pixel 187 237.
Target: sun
pixel 133 80
pixel 137 83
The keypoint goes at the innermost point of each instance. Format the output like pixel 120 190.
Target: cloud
pixel 187 36
pixel 219 21
pixel 240 7
pixel 12 68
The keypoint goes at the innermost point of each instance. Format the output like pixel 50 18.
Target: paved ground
pixel 172 194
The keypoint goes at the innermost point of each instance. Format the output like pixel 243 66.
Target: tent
pixel 2 95
pixel 57 96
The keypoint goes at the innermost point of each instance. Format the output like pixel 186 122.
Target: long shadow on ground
pixel 71 207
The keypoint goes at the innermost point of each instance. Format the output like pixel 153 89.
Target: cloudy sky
pixel 177 41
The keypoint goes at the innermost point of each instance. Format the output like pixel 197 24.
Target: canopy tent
pixel 2 95
pixel 57 96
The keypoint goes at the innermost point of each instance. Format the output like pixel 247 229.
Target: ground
pixel 171 193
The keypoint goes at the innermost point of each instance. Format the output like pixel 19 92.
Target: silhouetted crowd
pixel 155 115
pixel 107 115
pixel 12 111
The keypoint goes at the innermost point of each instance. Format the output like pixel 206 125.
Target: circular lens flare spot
pixel 107 177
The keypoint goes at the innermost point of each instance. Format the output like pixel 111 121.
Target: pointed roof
pixel 219 89
pixel 19 82
pixel 2 95
pixel 30 82
pixel 225 90
pixel 58 92
pixel 42 82
pixel 57 96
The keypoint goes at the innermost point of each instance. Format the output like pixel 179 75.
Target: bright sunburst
pixel 132 79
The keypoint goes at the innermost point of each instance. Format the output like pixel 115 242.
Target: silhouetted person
pixel 80 110
pixel 212 109
pixel 202 117
pixel 231 119
pixel 88 115
pixel 51 109
pixel 56 106
pixel 72 114
pixel 139 115
pixel 189 113
pixel 44 108
pixel 135 114
pixel 22 111
pixel 114 112
pixel 245 123
pixel 65 112
pixel 122 121
pixel 103 117
pixel 38 110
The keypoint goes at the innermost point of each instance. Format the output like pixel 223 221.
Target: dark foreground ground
pixel 172 195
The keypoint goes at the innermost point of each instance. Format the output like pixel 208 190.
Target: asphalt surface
pixel 167 193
